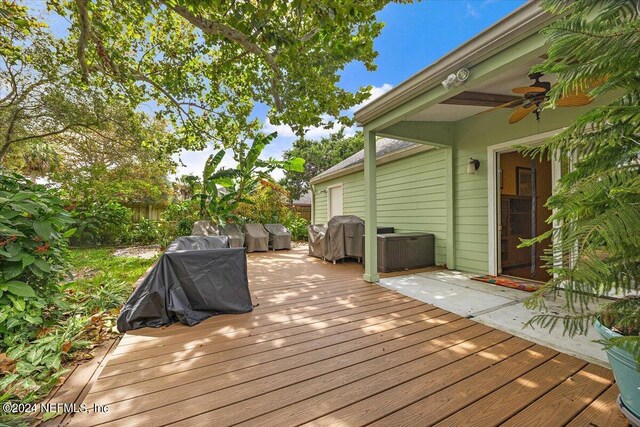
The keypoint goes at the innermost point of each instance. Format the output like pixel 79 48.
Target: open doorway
pixel 524 187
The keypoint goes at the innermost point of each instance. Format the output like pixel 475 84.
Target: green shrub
pixel 102 222
pixel 34 228
pixel 144 232
pixel 182 215
pixel 297 226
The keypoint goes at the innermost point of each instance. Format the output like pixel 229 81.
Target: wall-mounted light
pixel 473 166
pixel 456 79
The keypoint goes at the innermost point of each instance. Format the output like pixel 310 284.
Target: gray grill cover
pixel 198 243
pixel 335 246
pixel 256 238
pixel 189 284
pixel 316 239
pixel 204 228
pixel 235 235
pixel 279 236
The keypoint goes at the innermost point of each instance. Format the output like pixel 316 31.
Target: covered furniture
pixel 256 238
pixel 235 235
pixel 316 239
pixel 196 278
pixel 204 228
pixel 342 230
pixel 279 236
pixel 404 251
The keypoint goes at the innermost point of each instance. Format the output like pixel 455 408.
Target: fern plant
pixel 594 48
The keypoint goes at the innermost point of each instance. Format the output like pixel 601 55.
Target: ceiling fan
pixel 535 95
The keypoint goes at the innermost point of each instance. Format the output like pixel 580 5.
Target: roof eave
pixel 526 20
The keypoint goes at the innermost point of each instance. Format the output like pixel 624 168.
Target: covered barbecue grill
pixel 256 238
pixel 196 278
pixel 343 237
pixel 279 236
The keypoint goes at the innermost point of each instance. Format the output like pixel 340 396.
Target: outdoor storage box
pixel 385 230
pixel 403 251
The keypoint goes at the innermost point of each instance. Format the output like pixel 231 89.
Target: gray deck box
pixel 405 251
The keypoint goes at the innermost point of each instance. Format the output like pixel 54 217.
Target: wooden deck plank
pixel 602 412
pixel 198 393
pixel 565 401
pixel 324 347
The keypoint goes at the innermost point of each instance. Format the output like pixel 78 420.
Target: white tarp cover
pixel 279 236
pixel 196 278
pixel 256 238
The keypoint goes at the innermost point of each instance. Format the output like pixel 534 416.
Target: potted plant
pixel 593 50
pixel 616 321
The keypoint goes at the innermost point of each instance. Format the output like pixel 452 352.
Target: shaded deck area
pixel 326 348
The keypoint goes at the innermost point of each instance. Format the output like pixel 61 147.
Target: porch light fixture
pixel 473 166
pixel 456 79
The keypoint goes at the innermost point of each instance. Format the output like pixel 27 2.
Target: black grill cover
pixel 191 282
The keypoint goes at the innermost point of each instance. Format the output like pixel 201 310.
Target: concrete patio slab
pixel 496 306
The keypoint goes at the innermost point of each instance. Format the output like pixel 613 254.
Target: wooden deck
pixel 326 348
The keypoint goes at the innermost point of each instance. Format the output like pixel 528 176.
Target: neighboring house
pixel 478 215
pixel 303 205
pixel 411 194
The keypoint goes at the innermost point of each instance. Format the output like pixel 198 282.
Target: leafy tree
pixel 225 189
pixel 319 156
pixel 595 48
pixel 186 186
pixel 205 64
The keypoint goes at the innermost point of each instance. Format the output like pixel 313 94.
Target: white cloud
pixel 471 11
pixel 376 92
pixel 313 132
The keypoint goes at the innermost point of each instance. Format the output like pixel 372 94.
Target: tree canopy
pixel 595 48
pixel 319 156
pixel 205 64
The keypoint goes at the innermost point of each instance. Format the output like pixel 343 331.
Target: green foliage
pixel 297 226
pixel 180 217
pixel 33 232
pixel 144 232
pixel 595 47
pixel 269 204
pixel 225 189
pixel 319 156
pixel 101 222
pixel 206 64
pixel 79 315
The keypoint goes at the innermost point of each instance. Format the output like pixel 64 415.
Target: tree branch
pixel 85 34
pixel 219 29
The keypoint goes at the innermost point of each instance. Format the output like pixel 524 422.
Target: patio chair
pixel 316 239
pixel 235 235
pixel 204 228
pixel 256 238
pixel 279 236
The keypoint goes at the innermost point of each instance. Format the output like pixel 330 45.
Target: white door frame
pixel 329 198
pixel 492 177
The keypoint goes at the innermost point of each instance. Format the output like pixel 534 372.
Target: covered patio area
pixel 325 347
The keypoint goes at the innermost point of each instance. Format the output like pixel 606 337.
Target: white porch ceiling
pixel 499 85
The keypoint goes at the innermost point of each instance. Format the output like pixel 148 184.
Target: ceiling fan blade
pixel 521 113
pixel 505 105
pixel 574 100
pixel 528 89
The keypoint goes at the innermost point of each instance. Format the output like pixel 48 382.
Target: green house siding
pixel 411 196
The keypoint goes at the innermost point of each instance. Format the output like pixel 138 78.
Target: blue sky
pixel 415 35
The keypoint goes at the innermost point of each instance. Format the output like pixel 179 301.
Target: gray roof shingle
pixel 383 146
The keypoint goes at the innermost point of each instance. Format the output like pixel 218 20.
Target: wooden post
pixel 370 208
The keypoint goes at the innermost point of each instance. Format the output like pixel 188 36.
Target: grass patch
pixel 104 264
pixel 78 316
